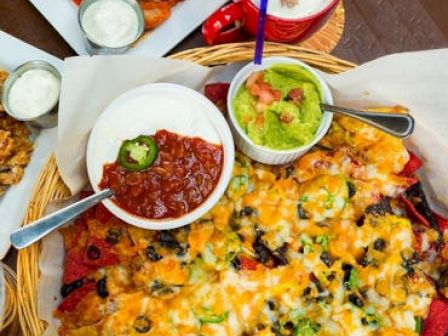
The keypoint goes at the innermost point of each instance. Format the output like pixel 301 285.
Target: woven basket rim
pixel 50 187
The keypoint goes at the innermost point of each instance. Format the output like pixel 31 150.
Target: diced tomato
pixel 436 324
pixel 248 264
pixel 254 90
pixel 70 303
pixel 286 118
pixel 265 87
pixel 74 268
pixel 412 165
pixel 77 2
pixel 277 95
pixel 266 97
pixel 254 78
pixel 443 222
pixel 296 95
pixel 257 87
pixel 217 92
pixel 260 108
pixel 102 214
pixel 99 253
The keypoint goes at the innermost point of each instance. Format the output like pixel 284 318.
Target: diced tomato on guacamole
pixel 279 107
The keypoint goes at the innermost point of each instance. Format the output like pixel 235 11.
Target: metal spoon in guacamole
pixel 396 124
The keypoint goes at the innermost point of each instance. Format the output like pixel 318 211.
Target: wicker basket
pixel 9 326
pixel 50 186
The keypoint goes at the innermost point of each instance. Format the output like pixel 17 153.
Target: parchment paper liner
pixel 417 81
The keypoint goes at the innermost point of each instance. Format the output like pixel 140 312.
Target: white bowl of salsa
pixel 274 109
pixel 192 166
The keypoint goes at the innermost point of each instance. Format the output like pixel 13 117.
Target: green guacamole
pixel 284 123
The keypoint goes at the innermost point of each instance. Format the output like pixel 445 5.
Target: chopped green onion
pixel 323 242
pixel 307 243
pixel 354 279
pixel 418 324
pixel 305 327
pixel 212 318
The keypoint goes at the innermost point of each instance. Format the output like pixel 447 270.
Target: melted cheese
pixel 312 217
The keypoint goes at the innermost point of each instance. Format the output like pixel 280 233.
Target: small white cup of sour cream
pixel 31 93
pixel 110 26
pixel 262 153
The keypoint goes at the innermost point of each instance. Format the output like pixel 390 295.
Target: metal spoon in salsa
pixel 163 176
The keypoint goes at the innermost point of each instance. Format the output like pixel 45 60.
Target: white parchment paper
pixel 415 80
pixel 14 203
pixel 418 81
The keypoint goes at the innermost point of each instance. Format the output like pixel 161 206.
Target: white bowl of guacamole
pixel 274 109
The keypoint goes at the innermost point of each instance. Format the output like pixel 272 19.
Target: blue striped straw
pixel 258 56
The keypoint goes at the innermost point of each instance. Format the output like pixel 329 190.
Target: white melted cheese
pixel 403 319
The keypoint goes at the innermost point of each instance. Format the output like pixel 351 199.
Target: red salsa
pixel 182 177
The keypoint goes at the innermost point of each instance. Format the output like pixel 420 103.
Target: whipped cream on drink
pixel 295 9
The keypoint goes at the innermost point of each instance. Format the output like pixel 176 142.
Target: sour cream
pixel 302 9
pixel 34 93
pixel 111 23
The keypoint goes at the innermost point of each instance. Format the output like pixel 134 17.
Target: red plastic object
pixel 286 30
pixel 224 25
pixel 215 29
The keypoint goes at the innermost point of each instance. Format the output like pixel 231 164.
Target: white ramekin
pixel 264 154
pixel 105 140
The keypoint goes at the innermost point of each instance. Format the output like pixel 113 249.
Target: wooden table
pixel 373 28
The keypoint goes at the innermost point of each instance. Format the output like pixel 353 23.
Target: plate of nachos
pixel 339 242
pixel 342 241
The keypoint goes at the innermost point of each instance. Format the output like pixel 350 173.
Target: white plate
pixel 180 110
pixel 14 202
pixel 186 16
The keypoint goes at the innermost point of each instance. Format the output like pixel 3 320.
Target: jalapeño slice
pixel 138 154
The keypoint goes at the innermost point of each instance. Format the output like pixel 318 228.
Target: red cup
pixel 227 24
